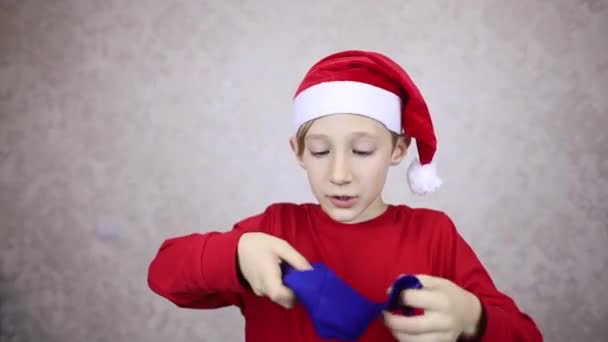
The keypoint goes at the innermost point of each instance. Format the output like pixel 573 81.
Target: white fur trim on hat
pixel 423 179
pixel 346 97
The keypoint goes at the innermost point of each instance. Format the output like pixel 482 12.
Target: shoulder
pixel 421 214
pixel 288 209
pixel 276 213
pixel 426 218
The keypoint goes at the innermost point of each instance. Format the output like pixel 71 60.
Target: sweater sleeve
pixel 199 271
pixel 502 320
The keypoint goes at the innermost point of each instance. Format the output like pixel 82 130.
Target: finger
pixel 256 285
pixel 429 282
pixel 281 295
pixel 427 323
pixel 275 290
pixel 291 256
pixel 430 337
pixel 424 299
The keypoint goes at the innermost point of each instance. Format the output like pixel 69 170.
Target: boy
pixel 355 115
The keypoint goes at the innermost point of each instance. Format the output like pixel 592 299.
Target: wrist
pixel 239 274
pixel 239 271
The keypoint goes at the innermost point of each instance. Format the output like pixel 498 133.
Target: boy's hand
pixel 259 258
pixel 450 312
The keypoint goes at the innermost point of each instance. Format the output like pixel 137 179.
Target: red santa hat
pixel 373 85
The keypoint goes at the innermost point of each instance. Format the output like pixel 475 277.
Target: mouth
pixel 343 201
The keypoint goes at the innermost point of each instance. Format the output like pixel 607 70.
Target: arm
pixel 200 270
pixel 501 319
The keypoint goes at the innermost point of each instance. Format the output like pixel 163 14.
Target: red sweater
pixel 199 270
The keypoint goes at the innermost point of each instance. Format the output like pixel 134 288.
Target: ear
pixel 400 150
pixel 293 143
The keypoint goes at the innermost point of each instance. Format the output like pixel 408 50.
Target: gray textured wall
pixel 125 122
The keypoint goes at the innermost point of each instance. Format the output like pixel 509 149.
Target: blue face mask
pixel 336 309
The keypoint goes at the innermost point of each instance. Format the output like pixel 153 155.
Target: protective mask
pixel 336 309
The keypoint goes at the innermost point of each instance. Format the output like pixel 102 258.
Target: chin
pixel 349 215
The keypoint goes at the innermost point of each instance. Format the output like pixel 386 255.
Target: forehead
pixel 340 125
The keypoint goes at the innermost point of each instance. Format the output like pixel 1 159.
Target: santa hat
pixel 373 85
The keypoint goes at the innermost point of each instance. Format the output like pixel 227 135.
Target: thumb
pixel 276 290
pixel 287 253
pixel 429 282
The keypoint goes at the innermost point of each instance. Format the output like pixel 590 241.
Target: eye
pixel 319 154
pixel 363 153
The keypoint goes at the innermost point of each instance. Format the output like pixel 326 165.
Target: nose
pixel 340 171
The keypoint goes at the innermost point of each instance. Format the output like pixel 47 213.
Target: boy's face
pixel 346 158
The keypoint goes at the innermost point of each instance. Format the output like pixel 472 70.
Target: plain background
pixel 123 123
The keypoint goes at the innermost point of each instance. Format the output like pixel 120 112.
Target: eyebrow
pixel 364 134
pixel 354 134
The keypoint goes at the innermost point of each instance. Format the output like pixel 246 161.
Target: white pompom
pixel 423 179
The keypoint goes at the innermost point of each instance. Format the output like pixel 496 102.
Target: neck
pixel 375 209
